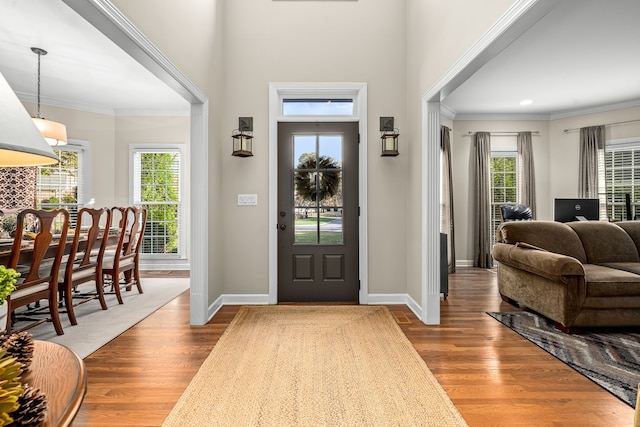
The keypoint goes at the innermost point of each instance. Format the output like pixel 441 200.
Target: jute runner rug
pixel 314 366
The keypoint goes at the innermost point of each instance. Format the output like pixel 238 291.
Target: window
pixel 504 183
pixel 65 184
pixel 317 107
pixel 622 177
pixel 157 181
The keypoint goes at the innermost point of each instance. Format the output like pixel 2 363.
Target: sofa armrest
pixel 551 265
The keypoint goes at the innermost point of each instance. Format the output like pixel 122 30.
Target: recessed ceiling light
pixel 526 102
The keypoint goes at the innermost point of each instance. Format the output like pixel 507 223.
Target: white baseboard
pixel 237 299
pixel 383 299
pixel 464 263
pixel 263 299
pixel 155 265
pixel 214 308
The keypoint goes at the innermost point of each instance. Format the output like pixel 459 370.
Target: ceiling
pixel 83 69
pixel 581 57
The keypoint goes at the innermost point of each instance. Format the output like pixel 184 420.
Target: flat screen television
pixel 567 210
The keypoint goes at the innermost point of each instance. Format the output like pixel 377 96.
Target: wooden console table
pixel 61 375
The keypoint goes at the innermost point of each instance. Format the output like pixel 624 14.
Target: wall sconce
pixel 389 136
pixel 242 137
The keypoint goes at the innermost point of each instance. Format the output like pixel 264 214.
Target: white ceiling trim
pixel 452 115
pixel 74 105
pixel 513 23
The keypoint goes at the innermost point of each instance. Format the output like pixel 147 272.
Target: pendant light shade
pixel 20 142
pixel 54 133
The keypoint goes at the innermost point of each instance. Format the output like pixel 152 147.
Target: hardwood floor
pixel 493 376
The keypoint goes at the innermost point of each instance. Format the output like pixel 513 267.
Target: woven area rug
pixel 610 359
pixel 96 327
pixel 314 366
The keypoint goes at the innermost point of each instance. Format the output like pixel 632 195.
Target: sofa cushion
pixel 631 267
pixel 633 230
pixel 548 235
pixel 605 242
pixel 603 281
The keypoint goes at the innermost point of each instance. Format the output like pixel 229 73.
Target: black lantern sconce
pixel 243 138
pixel 389 136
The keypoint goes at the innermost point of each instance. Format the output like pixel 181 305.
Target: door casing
pixel 357 91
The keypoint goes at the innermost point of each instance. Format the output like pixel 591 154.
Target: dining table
pixel 6 245
pixel 60 374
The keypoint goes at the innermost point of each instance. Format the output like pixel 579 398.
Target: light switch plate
pixel 247 199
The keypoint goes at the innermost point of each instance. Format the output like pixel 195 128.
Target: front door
pixel 318 212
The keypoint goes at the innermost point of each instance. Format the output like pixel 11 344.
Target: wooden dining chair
pixel 84 261
pixel 124 260
pixel 38 261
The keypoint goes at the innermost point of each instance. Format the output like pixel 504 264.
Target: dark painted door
pixel 318 212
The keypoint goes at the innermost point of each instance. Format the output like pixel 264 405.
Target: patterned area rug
pixel 610 359
pixel 314 366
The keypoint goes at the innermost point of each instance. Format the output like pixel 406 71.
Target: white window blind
pixel 504 184
pixel 621 176
pixel 65 184
pixel 157 187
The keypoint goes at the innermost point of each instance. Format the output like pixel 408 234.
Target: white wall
pixel 399 48
pixel 438 34
pixel 190 34
pixel 283 41
pixel 462 159
pixel 109 138
pixel 564 150
pixel 556 156
pixel 99 131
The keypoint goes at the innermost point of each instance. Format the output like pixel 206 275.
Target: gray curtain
pixel 527 178
pixel 446 216
pixel 482 202
pixel 591 142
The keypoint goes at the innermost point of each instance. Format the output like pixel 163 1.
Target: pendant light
pixel 54 133
pixel 20 142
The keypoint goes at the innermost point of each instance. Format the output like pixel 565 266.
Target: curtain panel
pixel 591 148
pixel 482 201
pixel 446 205
pixel 527 179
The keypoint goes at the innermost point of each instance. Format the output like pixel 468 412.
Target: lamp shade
pixel 54 133
pixel 21 143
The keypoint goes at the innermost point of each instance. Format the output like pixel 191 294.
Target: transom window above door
pixel 317 107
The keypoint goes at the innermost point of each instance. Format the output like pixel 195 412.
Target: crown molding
pixel 538 116
pixel 502 117
pixel 593 110
pixel 447 112
pixel 90 108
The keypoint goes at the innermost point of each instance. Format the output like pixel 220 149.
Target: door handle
pixel 283 226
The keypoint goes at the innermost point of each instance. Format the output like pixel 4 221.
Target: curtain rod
pixel 506 132
pixel 606 124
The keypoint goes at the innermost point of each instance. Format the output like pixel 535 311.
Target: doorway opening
pixel 357 92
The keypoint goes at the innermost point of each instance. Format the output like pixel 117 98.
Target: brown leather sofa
pixel 578 274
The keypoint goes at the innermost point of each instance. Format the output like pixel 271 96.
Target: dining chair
pixel 38 261
pixel 84 261
pixel 124 260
